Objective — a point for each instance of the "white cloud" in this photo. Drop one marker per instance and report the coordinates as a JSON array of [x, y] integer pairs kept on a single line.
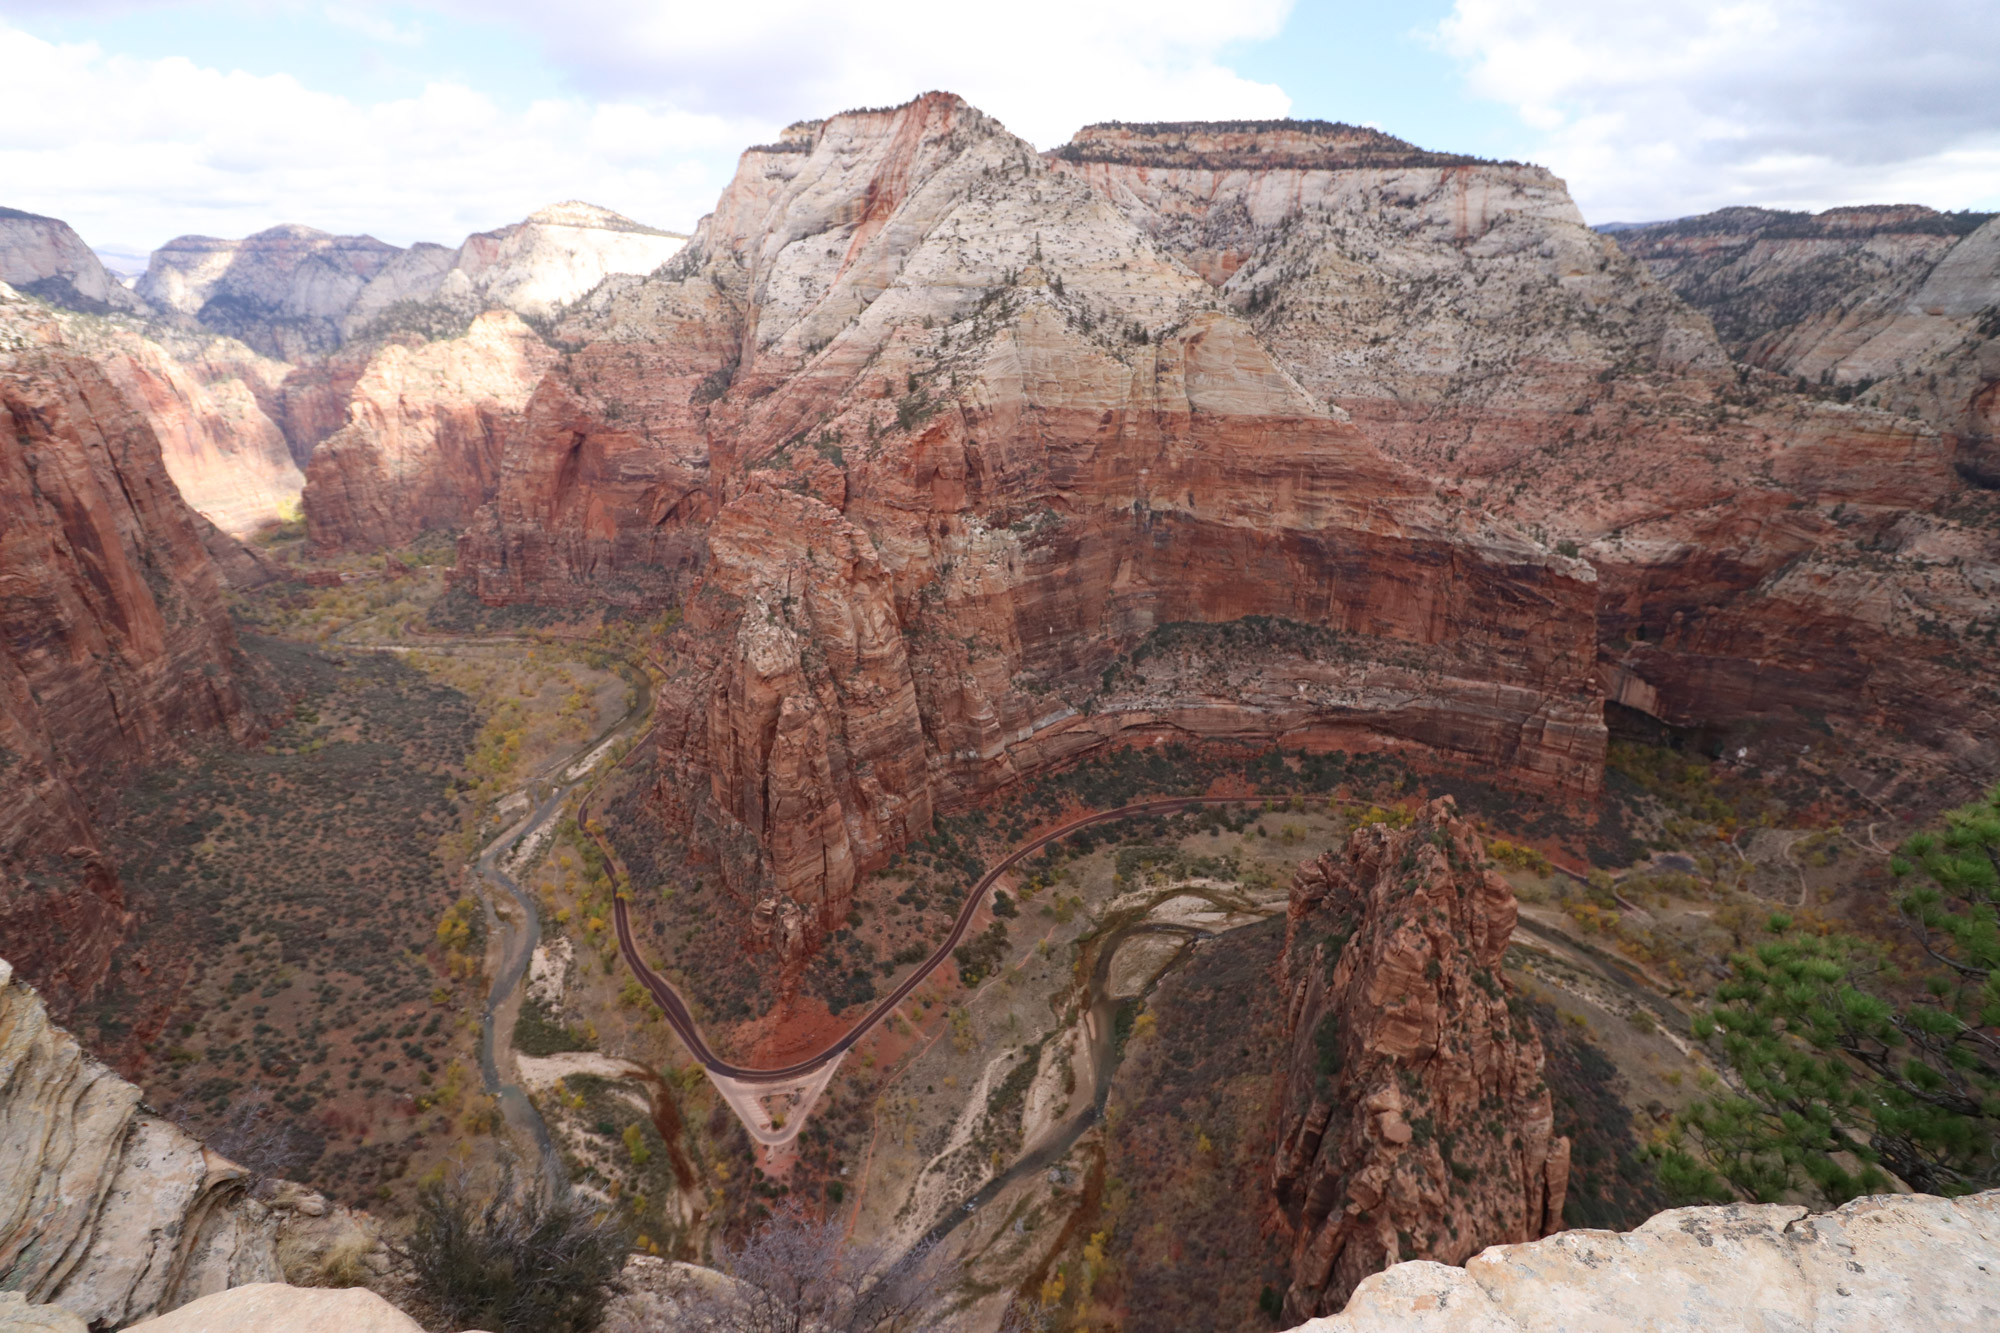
[[667, 93], [134, 151], [1044, 67], [1680, 106]]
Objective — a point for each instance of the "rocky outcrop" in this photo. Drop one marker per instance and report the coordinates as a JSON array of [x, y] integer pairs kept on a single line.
[[929, 439], [1892, 1262], [531, 267], [45, 258], [422, 445], [228, 459], [1899, 305], [292, 292], [1771, 563], [271, 1307], [1413, 1121], [115, 645], [113, 1213]]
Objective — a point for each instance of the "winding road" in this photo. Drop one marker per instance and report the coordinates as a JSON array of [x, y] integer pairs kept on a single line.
[[682, 1019]]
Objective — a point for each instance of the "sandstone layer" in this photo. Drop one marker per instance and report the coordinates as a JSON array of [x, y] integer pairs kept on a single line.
[[115, 645], [115, 1214], [273, 1307], [1900, 299], [283, 291], [295, 293], [44, 257], [422, 445], [1775, 567], [228, 458], [385, 348], [1413, 1120], [1874, 1265], [929, 438]]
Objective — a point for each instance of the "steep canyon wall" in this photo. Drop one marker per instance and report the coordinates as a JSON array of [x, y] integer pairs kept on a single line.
[[928, 438], [115, 646], [1775, 566]]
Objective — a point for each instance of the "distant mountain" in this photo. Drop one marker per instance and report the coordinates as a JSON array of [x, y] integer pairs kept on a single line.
[[44, 257], [291, 291]]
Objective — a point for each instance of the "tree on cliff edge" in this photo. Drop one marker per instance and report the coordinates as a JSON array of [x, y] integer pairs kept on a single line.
[[1846, 1068]]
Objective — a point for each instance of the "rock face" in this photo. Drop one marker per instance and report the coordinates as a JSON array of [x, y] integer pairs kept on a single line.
[[1899, 297], [113, 1213], [1891, 1262], [389, 351], [1413, 1122], [272, 1307], [422, 445], [292, 292], [114, 641], [1773, 567], [931, 440], [45, 258], [283, 291], [531, 267], [229, 460]]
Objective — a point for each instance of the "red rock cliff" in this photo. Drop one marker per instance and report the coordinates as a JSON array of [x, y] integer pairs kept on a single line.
[[1776, 568], [114, 643], [930, 440], [1413, 1122], [422, 445]]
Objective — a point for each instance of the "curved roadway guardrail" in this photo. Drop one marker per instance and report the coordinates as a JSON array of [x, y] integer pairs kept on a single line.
[[682, 1020]]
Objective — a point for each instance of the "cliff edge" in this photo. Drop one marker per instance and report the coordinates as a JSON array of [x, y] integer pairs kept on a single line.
[[115, 1214], [1888, 1262]]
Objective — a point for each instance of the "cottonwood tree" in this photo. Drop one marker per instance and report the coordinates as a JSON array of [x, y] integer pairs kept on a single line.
[[1848, 1067]]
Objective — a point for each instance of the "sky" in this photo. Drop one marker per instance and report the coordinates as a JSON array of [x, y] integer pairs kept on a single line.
[[139, 120]]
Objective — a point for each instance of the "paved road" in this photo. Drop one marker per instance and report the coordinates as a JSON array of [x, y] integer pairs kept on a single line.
[[682, 1019]]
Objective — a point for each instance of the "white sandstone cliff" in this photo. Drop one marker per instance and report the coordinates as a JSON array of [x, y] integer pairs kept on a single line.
[[115, 1214]]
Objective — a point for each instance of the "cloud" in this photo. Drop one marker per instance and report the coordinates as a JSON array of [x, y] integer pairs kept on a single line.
[[375, 27], [131, 151], [662, 96], [1680, 106], [1044, 67]]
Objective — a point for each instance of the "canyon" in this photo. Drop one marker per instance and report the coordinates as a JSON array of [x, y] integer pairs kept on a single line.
[[913, 384], [932, 479]]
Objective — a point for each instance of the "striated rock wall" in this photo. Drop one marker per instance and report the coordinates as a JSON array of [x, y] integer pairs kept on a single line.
[[1771, 563], [1413, 1122], [1890, 1262], [531, 267], [114, 1214], [928, 438], [422, 445], [114, 641], [1900, 299], [229, 460]]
